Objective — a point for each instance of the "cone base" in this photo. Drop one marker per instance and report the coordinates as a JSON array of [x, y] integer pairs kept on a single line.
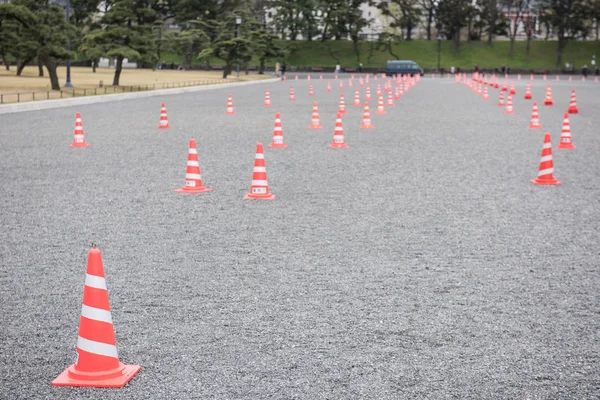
[[552, 181], [380, 112], [251, 196], [84, 144], [268, 105], [187, 189], [357, 105], [535, 126], [573, 111], [278, 146], [565, 146], [164, 127], [367, 126], [501, 105], [229, 113], [342, 111], [129, 371], [315, 126], [548, 103], [509, 112], [338, 145], [512, 92], [527, 97]]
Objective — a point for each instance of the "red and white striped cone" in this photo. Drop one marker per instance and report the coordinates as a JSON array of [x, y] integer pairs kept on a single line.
[[367, 79], [278, 142], [535, 117], [97, 362], [78, 134], [164, 121], [193, 179], [504, 88], [390, 100], [328, 86], [548, 100], [380, 108], [573, 104], [486, 96], [320, 77], [397, 92], [596, 80], [378, 90], [544, 76], [531, 77], [566, 141], [296, 77], [259, 188], [349, 82], [336, 77], [315, 122], [356, 98], [229, 109], [557, 78], [501, 100], [308, 77], [546, 169], [528, 92], [342, 108], [310, 90], [512, 90], [518, 77], [341, 84], [509, 106], [388, 86], [583, 79], [366, 120], [267, 98], [284, 78], [292, 94], [570, 78], [368, 93], [338, 134], [479, 90], [496, 84], [361, 83]]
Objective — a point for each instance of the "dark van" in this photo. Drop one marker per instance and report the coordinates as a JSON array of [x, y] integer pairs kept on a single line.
[[402, 67]]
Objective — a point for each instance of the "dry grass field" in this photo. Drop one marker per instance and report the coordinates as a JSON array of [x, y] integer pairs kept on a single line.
[[21, 88]]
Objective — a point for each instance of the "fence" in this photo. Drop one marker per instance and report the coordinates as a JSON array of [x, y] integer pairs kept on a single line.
[[64, 93]]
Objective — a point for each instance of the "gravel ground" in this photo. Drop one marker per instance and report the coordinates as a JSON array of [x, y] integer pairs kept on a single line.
[[419, 263]]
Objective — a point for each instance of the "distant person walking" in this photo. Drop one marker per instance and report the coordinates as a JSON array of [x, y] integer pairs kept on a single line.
[[337, 68], [283, 68]]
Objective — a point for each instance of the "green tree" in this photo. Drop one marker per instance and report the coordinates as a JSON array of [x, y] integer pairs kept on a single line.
[[264, 46], [13, 18], [191, 40], [405, 14], [451, 18]]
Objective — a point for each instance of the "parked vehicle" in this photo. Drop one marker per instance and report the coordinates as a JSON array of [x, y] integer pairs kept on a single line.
[[402, 67]]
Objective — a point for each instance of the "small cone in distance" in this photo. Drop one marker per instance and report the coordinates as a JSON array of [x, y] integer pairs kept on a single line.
[[267, 98], [378, 90], [229, 109], [397, 92], [366, 120], [341, 84], [164, 121], [342, 108], [315, 122], [328, 86], [566, 141], [356, 99], [546, 169], [548, 100], [390, 100], [573, 104], [509, 106], [259, 188], [535, 117], [528, 92], [380, 108], [78, 134], [97, 362], [292, 94], [193, 178], [278, 134], [486, 96], [338, 134], [501, 100], [512, 90], [368, 93], [310, 90]]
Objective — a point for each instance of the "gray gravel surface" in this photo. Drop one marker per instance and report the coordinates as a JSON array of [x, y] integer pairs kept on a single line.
[[419, 263]]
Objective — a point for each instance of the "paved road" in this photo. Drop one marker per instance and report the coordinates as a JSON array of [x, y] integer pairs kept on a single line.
[[419, 263]]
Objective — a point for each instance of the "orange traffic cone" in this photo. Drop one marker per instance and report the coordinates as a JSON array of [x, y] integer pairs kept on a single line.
[[548, 100], [566, 141], [267, 98], [341, 84], [535, 118], [356, 99], [378, 90], [193, 179], [573, 104], [546, 169], [349, 82], [486, 96], [78, 134], [315, 122], [501, 99], [292, 93], [278, 134], [368, 93], [329, 86], [528, 92], [310, 90], [164, 121], [366, 121], [338, 134], [509, 106], [259, 188], [390, 100], [97, 362], [380, 109], [512, 90], [308, 77], [296, 77], [342, 108], [361, 83], [504, 88], [229, 109]]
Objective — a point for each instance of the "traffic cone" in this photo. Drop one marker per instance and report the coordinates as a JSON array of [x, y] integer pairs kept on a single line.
[[397, 92], [557, 78], [544, 76], [509, 106], [296, 77], [501, 99], [259, 188], [548, 100], [310, 90], [390, 100], [356, 99], [528, 92], [512, 90], [573, 104], [97, 362], [486, 96], [229, 109], [328, 86], [78, 134], [349, 82], [546, 169], [338, 134], [342, 108], [504, 88], [308, 77], [368, 93], [535, 118], [479, 90], [570, 78], [164, 121], [378, 90], [361, 83], [315, 122], [193, 179], [278, 134], [380, 109], [366, 120], [566, 141], [267, 98], [341, 84], [320, 77], [292, 94]]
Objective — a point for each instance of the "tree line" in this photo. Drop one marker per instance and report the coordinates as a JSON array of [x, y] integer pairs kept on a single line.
[[39, 30]]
